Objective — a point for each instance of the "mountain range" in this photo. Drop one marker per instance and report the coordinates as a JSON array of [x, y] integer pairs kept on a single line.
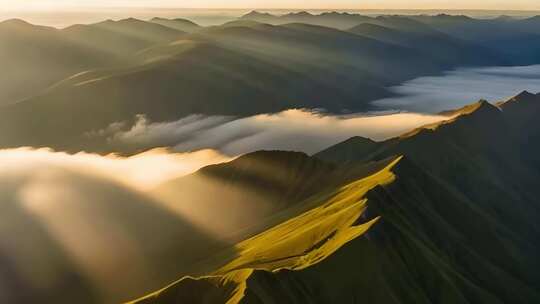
[[447, 213], [257, 64]]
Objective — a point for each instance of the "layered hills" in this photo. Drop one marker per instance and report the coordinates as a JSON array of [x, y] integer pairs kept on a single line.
[[36, 57], [168, 69], [449, 216]]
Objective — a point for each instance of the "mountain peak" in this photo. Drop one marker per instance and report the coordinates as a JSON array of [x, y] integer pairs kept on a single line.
[[521, 108], [479, 108], [16, 23], [299, 14], [523, 97], [524, 94], [254, 14]]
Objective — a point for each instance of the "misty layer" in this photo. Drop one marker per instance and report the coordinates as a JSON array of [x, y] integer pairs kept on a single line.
[[457, 88], [292, 130], [69, 234]]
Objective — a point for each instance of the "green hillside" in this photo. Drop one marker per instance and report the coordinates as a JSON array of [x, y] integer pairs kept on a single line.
[[452, 220], [232, 71], [254, 190], [294, 245], [108, 72]]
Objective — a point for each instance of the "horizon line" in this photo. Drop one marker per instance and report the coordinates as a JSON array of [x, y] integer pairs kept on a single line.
[[275, 9]]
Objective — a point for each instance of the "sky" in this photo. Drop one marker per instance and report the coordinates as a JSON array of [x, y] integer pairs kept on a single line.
[[273, 4]]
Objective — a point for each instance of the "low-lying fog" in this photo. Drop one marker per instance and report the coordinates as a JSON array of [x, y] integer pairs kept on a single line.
[[460, 87], [296, 130]]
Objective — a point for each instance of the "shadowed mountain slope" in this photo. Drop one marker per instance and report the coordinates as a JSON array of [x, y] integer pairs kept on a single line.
[[218, 71], [455, 220], [100, 74], [517, 39], [442, 47]]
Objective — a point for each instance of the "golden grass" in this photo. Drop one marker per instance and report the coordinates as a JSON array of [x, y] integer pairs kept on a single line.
[[301, 241]]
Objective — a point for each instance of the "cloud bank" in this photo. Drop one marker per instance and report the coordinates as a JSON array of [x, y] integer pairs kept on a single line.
[[141, 171], [461, 87], [73, 226], [296, 130]]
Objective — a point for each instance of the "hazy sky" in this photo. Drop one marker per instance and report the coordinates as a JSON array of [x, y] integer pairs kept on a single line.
[[313, 4]]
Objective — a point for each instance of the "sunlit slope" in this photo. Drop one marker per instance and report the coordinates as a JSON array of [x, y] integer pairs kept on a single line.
[[457, 222], [223, 71], [241, 68], [120, 39], [297, 244], [36, 57], [255, 191], [481, 161]]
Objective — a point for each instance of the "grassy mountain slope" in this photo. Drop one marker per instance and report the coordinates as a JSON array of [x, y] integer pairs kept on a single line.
[[222, 71], [293, 245], [253, 187], [480, 145], [453, 221], [240, 68]]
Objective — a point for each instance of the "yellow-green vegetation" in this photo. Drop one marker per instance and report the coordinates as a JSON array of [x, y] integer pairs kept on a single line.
[[295, 244]]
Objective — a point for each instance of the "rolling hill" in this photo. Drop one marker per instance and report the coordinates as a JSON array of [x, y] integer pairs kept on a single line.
[[121, 38], [35, 57], [108, 72], [239, 69], [451, 218]]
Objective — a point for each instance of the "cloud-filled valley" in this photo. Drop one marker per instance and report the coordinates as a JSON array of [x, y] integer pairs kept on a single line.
[[462, 86], [292, 130]]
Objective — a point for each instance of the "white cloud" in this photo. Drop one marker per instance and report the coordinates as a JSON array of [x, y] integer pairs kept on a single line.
[[142, 171], [297, 130], [461, 87]]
